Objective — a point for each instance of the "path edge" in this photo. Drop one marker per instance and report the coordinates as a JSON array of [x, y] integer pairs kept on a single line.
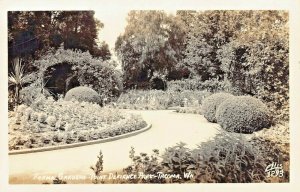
[[73, 145]]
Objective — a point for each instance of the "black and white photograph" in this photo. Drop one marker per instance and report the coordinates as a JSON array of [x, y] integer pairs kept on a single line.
[[136, 95]]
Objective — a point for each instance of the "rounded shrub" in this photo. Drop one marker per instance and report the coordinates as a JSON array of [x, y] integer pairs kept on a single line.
[[83, 94], [243, 114], [211, 103]]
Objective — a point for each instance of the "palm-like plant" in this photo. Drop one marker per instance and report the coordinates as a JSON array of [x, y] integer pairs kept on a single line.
[[17, 78]]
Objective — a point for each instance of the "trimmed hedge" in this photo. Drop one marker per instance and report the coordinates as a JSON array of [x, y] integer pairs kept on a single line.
[[243, 114], [211, 103], [83, 94]]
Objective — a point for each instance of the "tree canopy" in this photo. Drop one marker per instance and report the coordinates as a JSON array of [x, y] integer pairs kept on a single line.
[[247, 49], [32, 33], [151, 44]]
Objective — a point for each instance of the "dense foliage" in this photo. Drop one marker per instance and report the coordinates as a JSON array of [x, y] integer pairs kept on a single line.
[[101, 75], [274, 143], [243, 51], [228, 158], [32, 33], [257, 60], [243, 114], [210, 105], [16, 80], [248, 48], [152, 43], [81, 94], [32, 92], [157, 99], [212, 85]]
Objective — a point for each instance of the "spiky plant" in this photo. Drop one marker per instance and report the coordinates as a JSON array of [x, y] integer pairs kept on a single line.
[[17, 78]]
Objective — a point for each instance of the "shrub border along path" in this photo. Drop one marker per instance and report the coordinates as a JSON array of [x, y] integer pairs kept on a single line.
[[42, 149]]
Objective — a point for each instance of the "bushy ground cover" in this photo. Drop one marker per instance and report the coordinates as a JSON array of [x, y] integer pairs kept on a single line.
[[275, 146], [49, 123], [157, 99], [227, 158]]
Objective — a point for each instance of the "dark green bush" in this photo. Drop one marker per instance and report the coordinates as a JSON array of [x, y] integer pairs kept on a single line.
[[243, 114], [83, 94], [211, 103], [228, 158]]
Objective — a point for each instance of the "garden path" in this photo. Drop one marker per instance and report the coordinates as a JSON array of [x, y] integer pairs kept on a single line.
[[168, 128]]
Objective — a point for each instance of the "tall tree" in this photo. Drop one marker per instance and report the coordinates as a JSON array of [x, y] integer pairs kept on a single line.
[[256, 61], [208, 31], [32, 33], [151, 44]]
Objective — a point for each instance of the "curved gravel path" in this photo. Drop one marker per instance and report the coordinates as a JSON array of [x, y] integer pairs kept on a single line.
[[168, 128]]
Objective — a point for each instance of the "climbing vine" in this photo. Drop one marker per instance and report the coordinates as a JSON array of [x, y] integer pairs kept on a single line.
[[100, 75]]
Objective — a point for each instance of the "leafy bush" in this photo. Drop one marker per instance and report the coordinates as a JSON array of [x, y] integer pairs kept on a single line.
[[280, 115], [157, 99], [85, 94], [146, 164], [227, 158], [259, 64], [211, 103], [184, 84], [33, 92], [101, 75], [215, 85], [243, 114], [275, 145], [196, 84]]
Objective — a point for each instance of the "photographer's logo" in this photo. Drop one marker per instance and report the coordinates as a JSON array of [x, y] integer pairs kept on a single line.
[[274, 170]]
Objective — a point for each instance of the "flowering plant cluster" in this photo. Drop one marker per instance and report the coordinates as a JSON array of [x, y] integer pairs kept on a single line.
[[50, 122]]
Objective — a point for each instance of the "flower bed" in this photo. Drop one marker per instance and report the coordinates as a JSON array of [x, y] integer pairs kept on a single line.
[[158, 100], [52, 123]]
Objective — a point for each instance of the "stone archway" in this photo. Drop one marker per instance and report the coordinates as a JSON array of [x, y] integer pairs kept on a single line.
[[60, 78]]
